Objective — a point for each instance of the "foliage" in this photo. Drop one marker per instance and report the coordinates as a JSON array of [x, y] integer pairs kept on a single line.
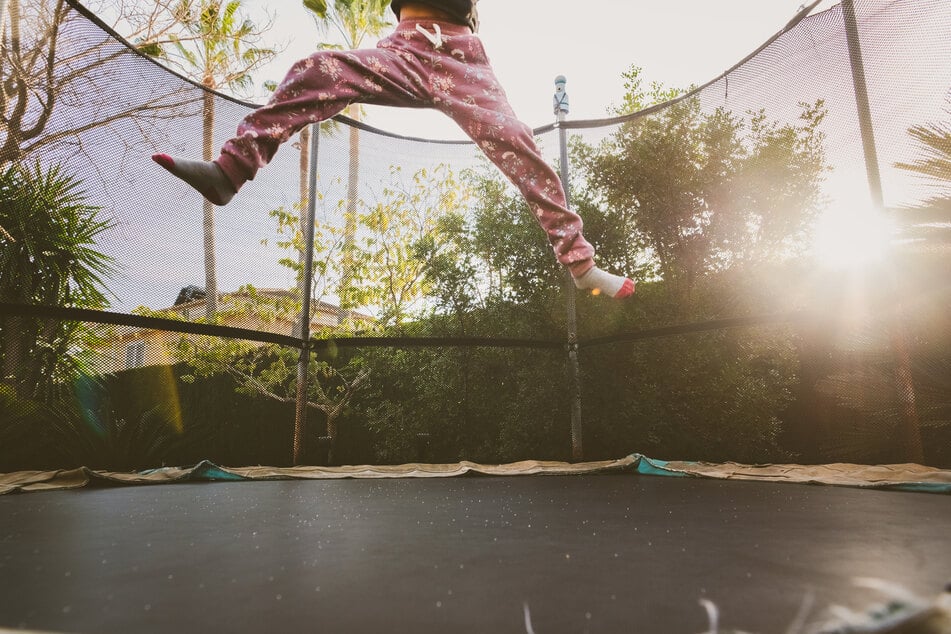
[[48, 259], [143, 418], [700, 192], [214, 43], [270, 371], [934, 164], [22, 445], [81, 428], [404, 229], [706, 396], [410, 227], [479, 404], [635, 98], [495, 274], [353, 20], [407, 229], [930, 219], [698, 204], [100, 440], [516, 259]]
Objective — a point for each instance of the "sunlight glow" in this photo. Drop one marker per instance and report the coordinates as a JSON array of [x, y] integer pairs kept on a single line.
[[851, 238]]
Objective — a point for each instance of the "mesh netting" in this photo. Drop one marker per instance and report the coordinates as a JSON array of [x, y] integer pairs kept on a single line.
[[439, 322]]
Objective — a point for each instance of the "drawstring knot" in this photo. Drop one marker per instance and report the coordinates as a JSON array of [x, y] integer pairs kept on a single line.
[[434, 38]]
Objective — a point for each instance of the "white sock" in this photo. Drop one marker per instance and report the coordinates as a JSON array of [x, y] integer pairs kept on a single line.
[[598, 281]]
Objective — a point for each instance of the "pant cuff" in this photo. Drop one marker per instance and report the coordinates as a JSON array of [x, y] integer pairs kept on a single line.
[[234, 170]]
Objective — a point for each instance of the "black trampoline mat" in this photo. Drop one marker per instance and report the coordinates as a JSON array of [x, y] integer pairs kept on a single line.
[[606, 553]]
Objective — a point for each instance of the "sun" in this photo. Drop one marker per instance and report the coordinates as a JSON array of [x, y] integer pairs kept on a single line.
[[851, 238]]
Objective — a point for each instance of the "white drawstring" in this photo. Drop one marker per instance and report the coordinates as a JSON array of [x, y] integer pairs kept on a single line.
[[435, 39]]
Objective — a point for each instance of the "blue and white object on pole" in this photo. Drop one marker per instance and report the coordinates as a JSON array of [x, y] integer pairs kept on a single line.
[[560, 100]]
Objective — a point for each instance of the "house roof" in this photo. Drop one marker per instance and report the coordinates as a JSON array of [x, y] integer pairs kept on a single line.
[[277, 293]]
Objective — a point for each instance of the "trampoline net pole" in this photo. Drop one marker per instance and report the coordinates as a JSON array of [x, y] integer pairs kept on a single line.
[[911, 436], [571, 322]]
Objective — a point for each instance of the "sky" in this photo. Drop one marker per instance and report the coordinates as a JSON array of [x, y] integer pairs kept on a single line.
[[678, 43]]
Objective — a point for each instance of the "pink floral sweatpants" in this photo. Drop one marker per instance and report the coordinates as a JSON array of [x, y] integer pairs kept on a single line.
[[415, 69]]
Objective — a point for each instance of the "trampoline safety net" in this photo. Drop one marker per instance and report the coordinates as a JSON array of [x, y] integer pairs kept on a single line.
[[788, 224]]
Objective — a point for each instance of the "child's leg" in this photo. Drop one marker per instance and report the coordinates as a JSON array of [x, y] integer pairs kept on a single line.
[[315, 89], [482, 110]]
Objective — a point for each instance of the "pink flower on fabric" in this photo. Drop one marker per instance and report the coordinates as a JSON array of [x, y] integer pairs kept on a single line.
[[442, 83], [331, 67], [372, 85], [376, 65]]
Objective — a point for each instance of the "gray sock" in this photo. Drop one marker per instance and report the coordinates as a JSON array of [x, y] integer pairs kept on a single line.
[[204, 176]]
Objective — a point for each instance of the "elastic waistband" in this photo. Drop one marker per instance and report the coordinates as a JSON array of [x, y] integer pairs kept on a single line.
[[449, 28]]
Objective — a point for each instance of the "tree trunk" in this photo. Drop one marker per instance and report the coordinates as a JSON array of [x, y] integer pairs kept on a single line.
[[350, 226], [211, 277], [10, 150], [304, 166]]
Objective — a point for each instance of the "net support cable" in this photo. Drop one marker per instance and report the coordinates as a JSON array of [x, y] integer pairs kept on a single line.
[[903, 372], [318, 345]]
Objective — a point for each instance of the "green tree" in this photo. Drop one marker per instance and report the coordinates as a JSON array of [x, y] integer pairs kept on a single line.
[[408, 229], [219, 48], [352, 22], [514, 256], [48, 259], [481, 404], [700, 192], [270, 372], [636, 98]]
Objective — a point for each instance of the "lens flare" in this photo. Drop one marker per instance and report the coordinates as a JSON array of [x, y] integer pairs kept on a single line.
[[852, 239]]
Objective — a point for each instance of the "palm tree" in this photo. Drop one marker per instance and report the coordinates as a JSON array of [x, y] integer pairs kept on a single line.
[[353, 21], [48, 258], [930, 218], [217, 48]]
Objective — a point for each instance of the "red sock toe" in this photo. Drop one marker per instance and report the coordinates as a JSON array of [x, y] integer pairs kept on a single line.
[[164, 160], [627, 289]]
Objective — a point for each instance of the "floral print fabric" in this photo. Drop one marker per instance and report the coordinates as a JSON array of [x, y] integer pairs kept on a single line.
[[417, 66]]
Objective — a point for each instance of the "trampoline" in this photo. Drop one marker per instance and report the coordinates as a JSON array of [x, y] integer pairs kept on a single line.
[[591, 553], [805, 411]]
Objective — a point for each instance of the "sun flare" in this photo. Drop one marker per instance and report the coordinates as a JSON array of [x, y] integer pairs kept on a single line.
[[851, 238]]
